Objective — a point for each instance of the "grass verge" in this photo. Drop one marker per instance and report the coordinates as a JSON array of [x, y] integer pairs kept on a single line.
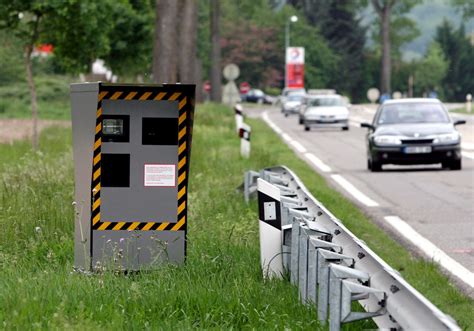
[[462, 111], [220, 287]]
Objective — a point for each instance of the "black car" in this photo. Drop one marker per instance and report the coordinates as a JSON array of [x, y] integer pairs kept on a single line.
[[258, 96], [413, 131]]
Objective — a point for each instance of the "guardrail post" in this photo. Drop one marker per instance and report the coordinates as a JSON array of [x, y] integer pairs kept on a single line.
[[314, 244], [250, 184], [295, 233], [343, 292], [326, 257], [310, 228], [286, 245]]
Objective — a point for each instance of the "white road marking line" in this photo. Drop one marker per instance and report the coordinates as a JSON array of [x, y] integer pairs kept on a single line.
[[286, 137], [271, 124], [317, 162], [354, 191], [468, 155], [433, 252], [300, 148]]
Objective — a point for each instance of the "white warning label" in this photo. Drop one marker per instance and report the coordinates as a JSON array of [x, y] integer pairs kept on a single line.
[[163, 175]]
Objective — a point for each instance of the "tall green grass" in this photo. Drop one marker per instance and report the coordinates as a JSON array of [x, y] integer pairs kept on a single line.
[[220, 287], [52, 94]]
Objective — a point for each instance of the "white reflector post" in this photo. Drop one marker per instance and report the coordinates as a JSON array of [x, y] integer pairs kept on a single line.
[[270, 229], [244, 134], [239, 117]]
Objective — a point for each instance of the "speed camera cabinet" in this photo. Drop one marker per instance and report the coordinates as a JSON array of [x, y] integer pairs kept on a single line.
[[132, 146]]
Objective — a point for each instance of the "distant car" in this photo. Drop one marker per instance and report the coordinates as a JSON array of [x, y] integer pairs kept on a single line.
[[258, 96], [326, 111], [292, 104], [413, 131], [289, 90]]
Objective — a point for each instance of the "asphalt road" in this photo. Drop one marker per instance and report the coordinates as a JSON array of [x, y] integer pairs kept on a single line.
[[437, 204]]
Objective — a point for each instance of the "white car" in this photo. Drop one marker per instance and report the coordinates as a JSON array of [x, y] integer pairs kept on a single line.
[[326, 111], [287, 91], [292, 104]]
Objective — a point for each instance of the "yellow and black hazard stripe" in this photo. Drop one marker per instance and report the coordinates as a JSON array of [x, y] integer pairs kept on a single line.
[[185, 99]]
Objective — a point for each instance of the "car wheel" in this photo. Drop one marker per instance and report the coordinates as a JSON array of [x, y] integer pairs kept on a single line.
[[300, 121], [454, 165], [375, 166], [369, 165], [345, 128], [306, 128], [286, 114]]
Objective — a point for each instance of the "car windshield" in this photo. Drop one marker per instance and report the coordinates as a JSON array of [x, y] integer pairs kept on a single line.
[[329, 102], [295, 97], [413, 113]]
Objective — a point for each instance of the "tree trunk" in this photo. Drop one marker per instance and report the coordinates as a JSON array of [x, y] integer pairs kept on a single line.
[[34, 103], [216, 82], [188, 40], [165, 47], [386, 62]]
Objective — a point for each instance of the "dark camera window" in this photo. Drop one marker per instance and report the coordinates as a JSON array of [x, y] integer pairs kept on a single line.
[[159, 131], [115, 170], [116, 128]]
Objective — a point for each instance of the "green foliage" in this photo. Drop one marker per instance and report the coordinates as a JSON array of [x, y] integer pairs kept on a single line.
[[431, 70], [465, 6], [346, 38], [11, 68], [80, 31], [131, 39], [84, 30], [459, 52]]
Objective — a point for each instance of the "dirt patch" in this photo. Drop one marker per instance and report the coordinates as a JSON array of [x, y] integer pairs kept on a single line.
[[18, 129]]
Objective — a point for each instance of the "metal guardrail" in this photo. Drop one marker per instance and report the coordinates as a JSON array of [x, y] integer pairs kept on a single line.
[[332, 267]]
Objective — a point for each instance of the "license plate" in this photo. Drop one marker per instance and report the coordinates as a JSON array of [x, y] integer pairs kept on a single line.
[[417, 149], [327, 119]]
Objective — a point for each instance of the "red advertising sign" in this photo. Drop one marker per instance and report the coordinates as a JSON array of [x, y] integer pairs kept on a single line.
[[295, 78], [244, 87]]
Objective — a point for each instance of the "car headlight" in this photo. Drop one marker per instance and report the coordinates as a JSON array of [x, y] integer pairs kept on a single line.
[[447, 138], [387, 140]]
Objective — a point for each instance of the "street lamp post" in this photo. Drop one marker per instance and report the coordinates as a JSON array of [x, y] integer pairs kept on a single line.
[[291, 19]]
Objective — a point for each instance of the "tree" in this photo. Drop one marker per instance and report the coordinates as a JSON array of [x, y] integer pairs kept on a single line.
[[346, 38], [215, 56], [386, 9], [188, 41], [259, 62], [131, 39], [165, 51], [68, 24], [465, 6], [458, 51], [431, 70]]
